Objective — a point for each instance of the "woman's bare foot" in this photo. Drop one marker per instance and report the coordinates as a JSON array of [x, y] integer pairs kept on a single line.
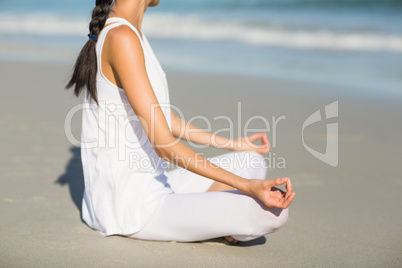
[[231, 240]]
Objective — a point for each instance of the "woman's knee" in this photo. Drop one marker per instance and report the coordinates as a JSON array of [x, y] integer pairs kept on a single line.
[[264, 220], [279, 220], [252, 165], [248, 164]]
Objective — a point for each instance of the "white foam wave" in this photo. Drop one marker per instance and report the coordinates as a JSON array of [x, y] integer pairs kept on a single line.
[[170, 26], [193, 27], [42, 25]]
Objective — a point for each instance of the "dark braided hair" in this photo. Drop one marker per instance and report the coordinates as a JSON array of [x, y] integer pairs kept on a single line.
[[86, 67]]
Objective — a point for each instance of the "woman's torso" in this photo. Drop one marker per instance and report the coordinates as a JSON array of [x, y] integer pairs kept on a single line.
[[125, 179]]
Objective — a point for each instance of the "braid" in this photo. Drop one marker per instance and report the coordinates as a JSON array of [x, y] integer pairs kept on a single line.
[[85, 68], [99, 16]]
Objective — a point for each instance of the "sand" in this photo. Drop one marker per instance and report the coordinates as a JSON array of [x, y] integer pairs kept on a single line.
[[344, 216]]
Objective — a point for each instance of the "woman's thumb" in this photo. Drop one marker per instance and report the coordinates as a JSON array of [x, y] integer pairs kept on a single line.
[[279, 181]]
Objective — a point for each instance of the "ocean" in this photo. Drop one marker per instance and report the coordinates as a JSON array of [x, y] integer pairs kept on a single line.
[[356, 44]]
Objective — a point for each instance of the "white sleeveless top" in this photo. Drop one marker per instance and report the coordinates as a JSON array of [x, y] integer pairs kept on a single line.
[[125, 180]]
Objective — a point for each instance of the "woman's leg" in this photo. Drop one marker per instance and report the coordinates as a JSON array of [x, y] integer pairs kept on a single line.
[[201, 216], [192, 214]]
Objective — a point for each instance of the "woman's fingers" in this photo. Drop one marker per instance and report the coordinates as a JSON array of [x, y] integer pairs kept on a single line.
[[288, 201], [289, 186], [277, 189], [270, 195], [264, 140], [278, 181], [262, 136], [278, 197], [255, 137], [263, 150], [283, 203], [289, 189]]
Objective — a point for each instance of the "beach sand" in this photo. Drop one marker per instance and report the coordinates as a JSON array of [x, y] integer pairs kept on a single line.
[[344, 216]]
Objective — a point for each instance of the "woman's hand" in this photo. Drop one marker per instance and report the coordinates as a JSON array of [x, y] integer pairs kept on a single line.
[[267, 193], [246, 143]]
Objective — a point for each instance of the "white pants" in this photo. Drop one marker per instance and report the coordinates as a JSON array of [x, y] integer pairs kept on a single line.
[[192, 214]]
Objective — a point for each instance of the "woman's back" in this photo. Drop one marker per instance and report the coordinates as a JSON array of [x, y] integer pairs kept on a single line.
[[119, 162]]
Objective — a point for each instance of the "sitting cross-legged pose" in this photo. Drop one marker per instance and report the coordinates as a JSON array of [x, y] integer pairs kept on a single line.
[[130, 134]]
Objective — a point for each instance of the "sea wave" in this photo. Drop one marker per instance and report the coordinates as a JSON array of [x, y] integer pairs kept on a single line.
[[174, 26], [287, 3], [42, 24]]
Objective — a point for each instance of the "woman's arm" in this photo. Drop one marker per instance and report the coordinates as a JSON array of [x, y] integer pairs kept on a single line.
[[124, 54], [184, 130]]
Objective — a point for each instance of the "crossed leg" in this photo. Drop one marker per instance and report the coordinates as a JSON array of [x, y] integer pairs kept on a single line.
[[192, 213]]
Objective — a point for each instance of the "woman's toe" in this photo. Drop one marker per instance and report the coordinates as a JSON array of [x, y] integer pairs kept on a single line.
[[231, 240]]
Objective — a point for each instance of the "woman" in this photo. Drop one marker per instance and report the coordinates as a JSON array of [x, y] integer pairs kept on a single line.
[[129, 133]]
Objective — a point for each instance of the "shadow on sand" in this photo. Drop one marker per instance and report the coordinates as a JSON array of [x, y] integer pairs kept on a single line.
[[74, 177]]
